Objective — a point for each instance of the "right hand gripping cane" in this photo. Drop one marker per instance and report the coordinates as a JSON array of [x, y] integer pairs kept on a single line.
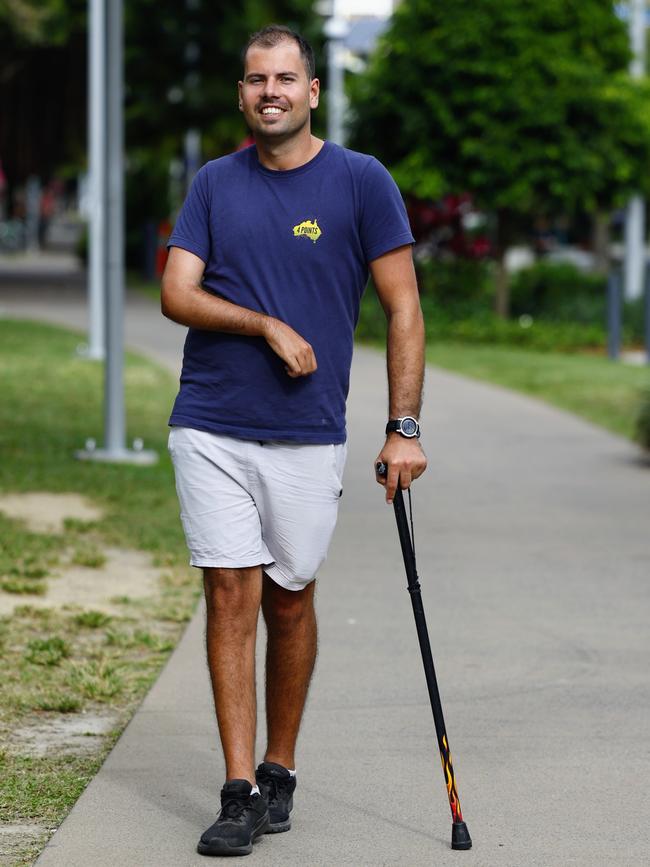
[[460, 838]]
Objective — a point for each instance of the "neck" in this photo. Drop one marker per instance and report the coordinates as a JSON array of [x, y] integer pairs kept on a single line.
[[284, 155]]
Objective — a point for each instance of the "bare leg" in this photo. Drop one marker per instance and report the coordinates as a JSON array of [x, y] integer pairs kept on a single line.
[[233, 599], [290, 656]]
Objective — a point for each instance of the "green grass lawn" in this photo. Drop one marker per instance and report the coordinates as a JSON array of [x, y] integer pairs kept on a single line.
[[604, 392], [69, 661], [52, 401]]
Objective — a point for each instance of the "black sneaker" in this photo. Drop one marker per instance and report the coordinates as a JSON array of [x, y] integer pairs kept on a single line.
[[277, 786], [243, 818]]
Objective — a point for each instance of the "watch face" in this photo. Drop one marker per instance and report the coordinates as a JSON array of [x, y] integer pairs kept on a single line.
[[409, 427]]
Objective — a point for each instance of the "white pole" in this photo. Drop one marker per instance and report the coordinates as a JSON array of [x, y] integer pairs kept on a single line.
[[635, 214], [114, 450], [114, 418], [97, 177], [637, 37], [32, 212], [192, 144], [336, 29]]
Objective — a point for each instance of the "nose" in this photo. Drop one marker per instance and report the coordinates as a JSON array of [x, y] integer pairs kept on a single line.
[[271, 90]]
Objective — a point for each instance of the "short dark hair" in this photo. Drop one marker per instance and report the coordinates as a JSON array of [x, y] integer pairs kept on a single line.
[[273, 35]]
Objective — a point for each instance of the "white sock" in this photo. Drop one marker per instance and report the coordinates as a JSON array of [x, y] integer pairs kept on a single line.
[[255, 790]]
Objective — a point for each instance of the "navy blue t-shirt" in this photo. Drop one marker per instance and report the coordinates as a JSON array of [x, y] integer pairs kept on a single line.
[[295, 245]]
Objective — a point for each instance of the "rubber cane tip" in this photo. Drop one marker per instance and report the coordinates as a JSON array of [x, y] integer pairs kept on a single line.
[[460, 838]]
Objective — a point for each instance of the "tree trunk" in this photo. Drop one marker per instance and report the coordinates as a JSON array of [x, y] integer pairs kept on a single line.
[[600, 241], [502, 286], [502, 278]]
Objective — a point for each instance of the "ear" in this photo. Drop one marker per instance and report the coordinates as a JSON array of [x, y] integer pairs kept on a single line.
[[314, 93], [240, 84]]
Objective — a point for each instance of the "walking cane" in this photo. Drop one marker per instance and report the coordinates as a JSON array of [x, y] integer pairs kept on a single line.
[[460, 838]]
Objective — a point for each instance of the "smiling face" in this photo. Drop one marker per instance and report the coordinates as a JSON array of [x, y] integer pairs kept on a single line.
[[277, 95]]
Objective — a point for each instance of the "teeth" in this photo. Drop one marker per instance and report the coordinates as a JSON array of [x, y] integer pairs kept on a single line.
[[271, 110]]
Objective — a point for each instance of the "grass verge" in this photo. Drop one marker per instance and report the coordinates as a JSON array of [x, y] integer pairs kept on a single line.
[[603, 392], [68, 664]]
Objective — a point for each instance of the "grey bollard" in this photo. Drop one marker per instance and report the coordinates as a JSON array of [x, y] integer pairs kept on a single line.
[[614, 315], [647, 313]]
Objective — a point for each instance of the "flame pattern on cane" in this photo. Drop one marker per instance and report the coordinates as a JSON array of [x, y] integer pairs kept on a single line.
[[448, 770]]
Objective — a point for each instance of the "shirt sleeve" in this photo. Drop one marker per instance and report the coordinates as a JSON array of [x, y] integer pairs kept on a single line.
[[384, 225], [192, 229]]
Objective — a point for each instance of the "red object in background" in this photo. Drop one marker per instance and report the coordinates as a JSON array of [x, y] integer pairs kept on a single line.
[[480, 247], [164, 231], [439, 225]]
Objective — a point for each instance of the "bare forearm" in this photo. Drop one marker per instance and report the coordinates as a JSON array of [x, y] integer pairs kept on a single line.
[[188, 304], [193, 306], [394, 277], [405, 361]]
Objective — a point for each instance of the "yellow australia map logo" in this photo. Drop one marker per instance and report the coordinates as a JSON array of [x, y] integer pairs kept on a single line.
[[308, 229]]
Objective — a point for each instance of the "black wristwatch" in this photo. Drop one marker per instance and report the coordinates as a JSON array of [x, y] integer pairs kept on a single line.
[[407, 426]]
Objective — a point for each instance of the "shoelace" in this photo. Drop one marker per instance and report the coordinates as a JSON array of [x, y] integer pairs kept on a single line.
[[270, 784], [234, 808]]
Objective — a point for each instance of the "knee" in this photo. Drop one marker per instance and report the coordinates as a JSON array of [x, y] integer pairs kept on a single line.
[[288, 609], [231, 591]]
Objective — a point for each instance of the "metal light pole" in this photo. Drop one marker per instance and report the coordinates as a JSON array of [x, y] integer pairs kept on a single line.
[[114, 450], [192, 86], [97, 178], [114, 421], [336, 29], [635, 214]]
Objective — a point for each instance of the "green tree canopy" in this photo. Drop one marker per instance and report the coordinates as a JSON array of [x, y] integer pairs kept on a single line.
[[181, 68], [42, 85], [528, 105], [182, 63]]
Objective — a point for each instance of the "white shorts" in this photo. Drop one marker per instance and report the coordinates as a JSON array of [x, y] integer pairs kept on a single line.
[[246, 503]]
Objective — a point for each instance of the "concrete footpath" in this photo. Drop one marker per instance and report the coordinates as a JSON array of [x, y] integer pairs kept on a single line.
[[533, 541]]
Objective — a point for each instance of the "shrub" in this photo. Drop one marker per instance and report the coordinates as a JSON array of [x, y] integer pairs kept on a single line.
[[484, 327], [372, 320], [558, 290], [526, 333], [634, 314], [555, 306], [460, 287]]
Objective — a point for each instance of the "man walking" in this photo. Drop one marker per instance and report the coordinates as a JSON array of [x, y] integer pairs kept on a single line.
[[268, 261]]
